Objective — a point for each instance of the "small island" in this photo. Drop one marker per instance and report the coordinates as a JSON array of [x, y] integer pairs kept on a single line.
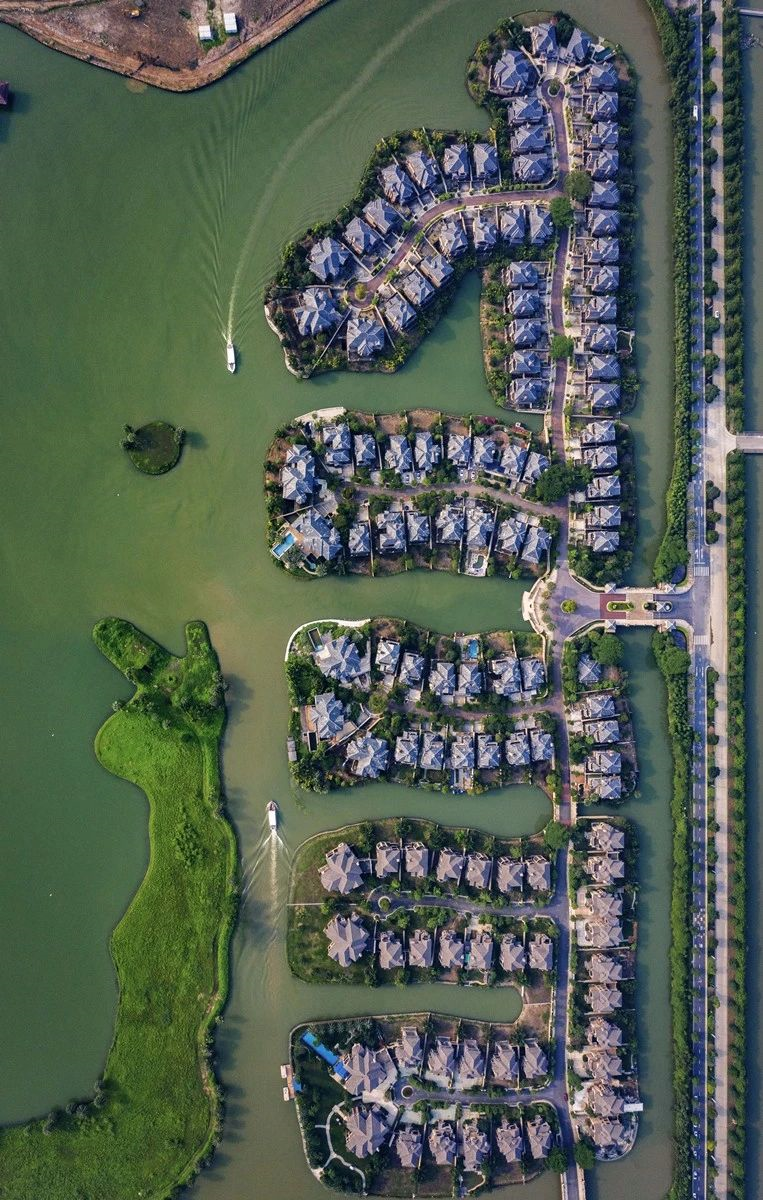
[[154, 448]]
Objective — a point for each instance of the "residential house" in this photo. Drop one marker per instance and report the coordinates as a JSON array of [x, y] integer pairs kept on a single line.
[[422, 169], [511, 537], [484, 232], [348, 939], [426, 451], [450, 524], [359, 540], [412, 666], [338, 658], [537, 545], [432, 751], [533, 675], [510, 873], [471, 1064], [397, 187], [538, 873], [326, 715], [337, 444], [479, 868], [387, 656], [450, 236], [485, 158], [416, 860], [328, 259], [513, 224], [316, 312], [511, 954], [608, 839], [540, 952], [408, 1146], [437, 269], [531, 168], [365, 337], [398, 456], [390, 950], [517, 749], [418, 289], [459, 449], [471, 681], [603, 487], [534, 1061], [420, 949], [541, 225], [360, 237], [504, 1064], [318, 538], [450, 866], [475, 1146], [407, 748], [455, 162], [342, 871], [409, 1051], [417, 525], [364, 1070], [543, 41], [442, 678], [387, 859], [513, 74], [578, 47], [390, 531], [367, 1129], [442, 1143], [298, 476], [488, 752], [480, 957], [381, 215], [539, 1137], [398, 312], [508, 1139], [604, 968], [365, 450], [601, 998], [441, 1059], [462, 752], [367, 756]]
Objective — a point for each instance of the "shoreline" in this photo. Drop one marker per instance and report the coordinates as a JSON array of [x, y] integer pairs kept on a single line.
[[132, 66]]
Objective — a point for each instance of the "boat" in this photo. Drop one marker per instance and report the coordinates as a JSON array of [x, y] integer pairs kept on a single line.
[[272, 811], [230, 353]]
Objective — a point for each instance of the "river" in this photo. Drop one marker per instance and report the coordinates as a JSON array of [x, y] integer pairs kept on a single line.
[[133, 221]]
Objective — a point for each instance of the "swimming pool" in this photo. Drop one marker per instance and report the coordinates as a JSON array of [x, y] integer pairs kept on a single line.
[[473, 649], [283, 546]]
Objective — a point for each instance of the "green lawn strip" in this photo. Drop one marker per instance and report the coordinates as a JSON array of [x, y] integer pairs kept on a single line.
[[157, 1112]]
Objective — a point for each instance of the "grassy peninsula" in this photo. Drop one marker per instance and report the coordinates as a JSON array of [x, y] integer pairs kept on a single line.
[[156, 1112]]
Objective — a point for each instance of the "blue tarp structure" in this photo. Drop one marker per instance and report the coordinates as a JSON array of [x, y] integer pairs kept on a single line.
[[323, 1052]]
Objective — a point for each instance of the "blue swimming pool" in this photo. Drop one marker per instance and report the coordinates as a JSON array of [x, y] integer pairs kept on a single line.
[[283, 546], [473, 649]]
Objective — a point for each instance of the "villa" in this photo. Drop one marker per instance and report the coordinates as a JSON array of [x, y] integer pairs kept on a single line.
[[348, 939]]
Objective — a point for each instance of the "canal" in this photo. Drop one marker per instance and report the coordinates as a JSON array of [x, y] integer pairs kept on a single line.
[[135, 222]]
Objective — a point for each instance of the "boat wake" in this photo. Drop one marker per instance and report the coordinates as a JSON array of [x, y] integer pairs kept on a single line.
[[359, 86]]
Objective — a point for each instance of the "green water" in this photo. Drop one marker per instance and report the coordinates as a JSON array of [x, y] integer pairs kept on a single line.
[[127, 217], [753, 83]]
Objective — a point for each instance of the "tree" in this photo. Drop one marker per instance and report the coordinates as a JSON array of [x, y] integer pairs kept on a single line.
[[561, 212], [556, 482], [609, 650], [562, 346], [578, 186], [556, 835], [569, 606], [584, 1156], [557, 1160]]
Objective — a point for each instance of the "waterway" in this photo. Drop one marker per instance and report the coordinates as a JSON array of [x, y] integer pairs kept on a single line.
[[753, 265], [129, 215]]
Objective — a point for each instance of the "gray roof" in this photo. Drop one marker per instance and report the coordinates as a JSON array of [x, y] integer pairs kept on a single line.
[[337, 442], [342, 871], [387, 859], [604, 195], [327, 714], [604, 396], [451, 952], [367, 756], [459, 449], [298, 475], [476, 1146], [507, 677], [462, 752], [364, 1070], [602, 541], [534, 1061], [328, 259], [524, 363], [398, 312], [601, 78], [470, 678], [390, 528], [316, 312], [480, 953], [418, 526], [408, 1145], [409, 1051], [485, 160], [604, 968], [441, 1059], [348, 939], [531, 168], [511, 535], [367, 1129], [533, 674], [527, 110], [512, 955], [602, 338], [488, 752], [513, 225], [450, 865], [602, 998], [603, 135], [423, 169], [407, 748], [522, 275], [412, 668], [535, 465], [517, 749], [420, 949], [604, 251], [390, 950], [601, 458], [484, 231], [541, 225], [543, 38], [365, 449], [605, 869], [426, 451], [365, 337], [526, 332], [538, 873], [602, 106], [604, 762], [397, 186], [436, 268], [529, 139], [603, 222], [450, 524], [478, 869], [504, 1064], [398, 456], [508, 1139], [416, 288], [432, 751], [359, 539], [602, 165], [450, 236], [381, 215], [442, 1143], [387, 655], [603, 732], [541, 745], [604, 1033], [578, 47], [597, 433], [605, 787], [538, 542], [514, 458], [589, 671], [603, 280], [319, 537], [338, 658], [360, 236], [510, 873], [540, 952], [598, 705], [416, 859], [455, 161], [539, 1137], [513, 74]]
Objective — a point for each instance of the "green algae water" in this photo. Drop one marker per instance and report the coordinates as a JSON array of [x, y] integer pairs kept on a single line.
[[137, 226]]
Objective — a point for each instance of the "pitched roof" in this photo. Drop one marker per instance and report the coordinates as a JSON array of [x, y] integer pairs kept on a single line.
[[338, 658], [485, 159], [364, 1070], [451, 953], [367, 1129], [319, 536], [360, 236], [328, 259], [422, 168], [367, 756], [298, 475], [455, 161], [381, 215], [327, 715], [390, 950], [396, 184], [348, 939], [534, 1061], [420, 948], [342, 871], [509, 873], [408, 1145], [513, 74], [416, 857], [316, 312], [512, 954], [365, 337], [387, 859], [450, 864]]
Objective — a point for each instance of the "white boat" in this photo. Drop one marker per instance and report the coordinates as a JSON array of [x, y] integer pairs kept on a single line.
[[272, 811], [230, 353]]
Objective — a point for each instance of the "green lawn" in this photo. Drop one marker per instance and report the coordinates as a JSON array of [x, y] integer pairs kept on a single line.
[[159, 1112]]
